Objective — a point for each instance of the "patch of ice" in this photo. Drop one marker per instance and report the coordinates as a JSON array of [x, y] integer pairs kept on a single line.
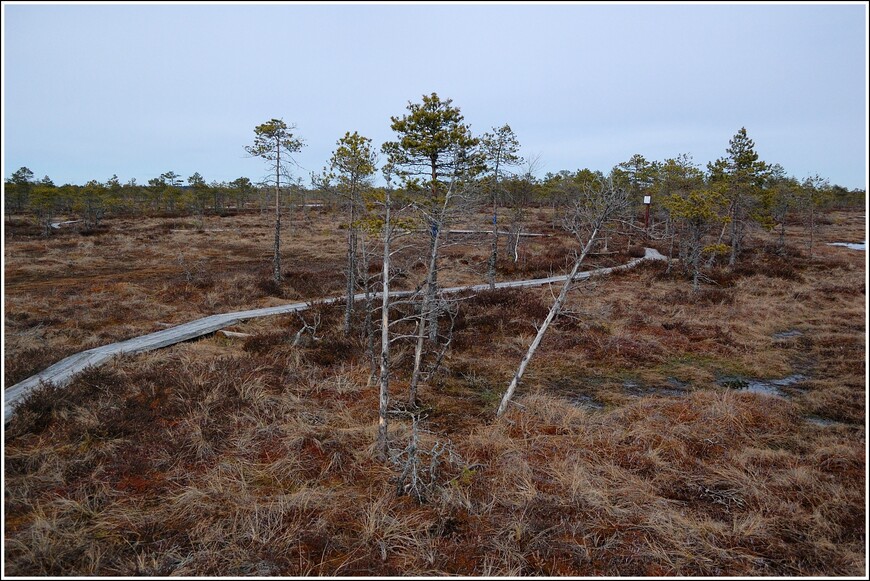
[[762, 386], [852, 245], [772, 386]]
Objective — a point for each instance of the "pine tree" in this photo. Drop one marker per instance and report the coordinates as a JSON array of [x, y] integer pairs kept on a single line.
[[271, 139]]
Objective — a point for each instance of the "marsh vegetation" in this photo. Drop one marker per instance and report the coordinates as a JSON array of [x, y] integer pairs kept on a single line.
[[234, 456]]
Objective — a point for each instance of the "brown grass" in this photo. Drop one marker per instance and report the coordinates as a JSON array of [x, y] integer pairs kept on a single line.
[[231, 457]]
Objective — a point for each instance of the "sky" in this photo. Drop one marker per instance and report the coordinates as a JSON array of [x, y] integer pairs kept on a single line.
[[136, 90]]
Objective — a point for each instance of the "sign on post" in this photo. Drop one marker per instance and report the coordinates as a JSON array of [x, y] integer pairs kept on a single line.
[[646, 202]]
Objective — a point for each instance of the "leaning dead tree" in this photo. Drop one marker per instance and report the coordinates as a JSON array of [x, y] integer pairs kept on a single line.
[[598, 204]]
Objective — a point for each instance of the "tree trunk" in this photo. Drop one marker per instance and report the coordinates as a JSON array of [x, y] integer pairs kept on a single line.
[[735, 233], [696, 259], [432, 275], [554, 311], [351, 266], [383, 399], [432, 289], [513, 245], [276, 261], [368, 327], [426, 314], [493, 256]]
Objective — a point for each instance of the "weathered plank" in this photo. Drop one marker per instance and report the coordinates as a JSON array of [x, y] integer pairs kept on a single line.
[[234, 334], [63, 371]]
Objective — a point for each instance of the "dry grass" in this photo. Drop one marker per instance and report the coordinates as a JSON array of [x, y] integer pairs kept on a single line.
[[236, 457]]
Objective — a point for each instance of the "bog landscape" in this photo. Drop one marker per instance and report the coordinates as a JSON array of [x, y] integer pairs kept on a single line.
[[676, 384]]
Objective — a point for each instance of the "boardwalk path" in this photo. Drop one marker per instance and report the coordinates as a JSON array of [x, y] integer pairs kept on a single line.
[[63, 371]]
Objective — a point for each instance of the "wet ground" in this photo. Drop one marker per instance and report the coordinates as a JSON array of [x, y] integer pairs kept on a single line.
[[763, 386], [575, 390]]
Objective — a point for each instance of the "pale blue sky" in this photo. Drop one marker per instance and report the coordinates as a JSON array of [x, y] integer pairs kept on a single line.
[[138, 90]]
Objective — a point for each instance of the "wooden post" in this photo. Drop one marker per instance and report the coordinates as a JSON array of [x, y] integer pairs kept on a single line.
[[646, 202]]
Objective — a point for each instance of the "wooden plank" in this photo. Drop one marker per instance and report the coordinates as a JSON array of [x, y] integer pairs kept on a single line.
[[62, 372], [234, 334]]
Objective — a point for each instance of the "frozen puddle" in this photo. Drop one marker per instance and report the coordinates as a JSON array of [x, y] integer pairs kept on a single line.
[[763, 386], [852, 245]]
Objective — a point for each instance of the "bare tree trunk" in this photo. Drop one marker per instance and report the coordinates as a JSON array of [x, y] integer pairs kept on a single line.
[[696, 260], [735, 233], [276, 262], [513, 246], [493, 256], [554, 311], [383, 400], [426, 311], [429, 310], [431, 291], [368, 327], [351, 266], [432, 275]]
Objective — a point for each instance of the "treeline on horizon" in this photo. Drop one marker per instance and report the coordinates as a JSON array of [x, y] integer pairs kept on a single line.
[[774, 193]]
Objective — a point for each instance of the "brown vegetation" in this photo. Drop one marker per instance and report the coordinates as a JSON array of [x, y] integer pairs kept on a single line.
[[631, 450]]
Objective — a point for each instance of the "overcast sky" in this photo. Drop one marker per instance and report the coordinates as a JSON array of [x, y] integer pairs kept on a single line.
[[138, 90]]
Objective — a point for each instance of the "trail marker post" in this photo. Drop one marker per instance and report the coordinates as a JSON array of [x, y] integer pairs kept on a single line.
[[646, 202]]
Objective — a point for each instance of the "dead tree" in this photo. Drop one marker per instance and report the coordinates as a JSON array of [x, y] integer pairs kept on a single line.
[[307, 327], [458, 191], [350, 168], [421, 464], [598, 204], [368, 282], [384, 383], [500, 149], [519, 191], [388, 233]]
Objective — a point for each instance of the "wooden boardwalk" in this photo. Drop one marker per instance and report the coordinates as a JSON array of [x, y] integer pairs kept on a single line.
[[63, 371]]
